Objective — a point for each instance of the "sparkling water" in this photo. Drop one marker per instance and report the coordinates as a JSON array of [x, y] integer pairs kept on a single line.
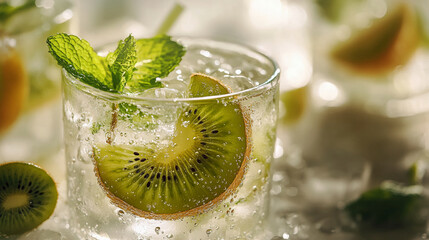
[[88, 115]]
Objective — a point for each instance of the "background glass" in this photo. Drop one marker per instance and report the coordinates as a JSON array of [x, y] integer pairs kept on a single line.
[[359, 128], [37, 133]]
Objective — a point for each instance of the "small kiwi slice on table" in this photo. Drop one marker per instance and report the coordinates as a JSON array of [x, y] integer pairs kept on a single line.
[[28, 197], [204, 164]]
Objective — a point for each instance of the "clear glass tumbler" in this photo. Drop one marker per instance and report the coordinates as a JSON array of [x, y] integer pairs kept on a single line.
[[172, 153]]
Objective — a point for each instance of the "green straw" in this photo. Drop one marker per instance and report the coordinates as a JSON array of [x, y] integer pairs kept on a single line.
[[171, 19]]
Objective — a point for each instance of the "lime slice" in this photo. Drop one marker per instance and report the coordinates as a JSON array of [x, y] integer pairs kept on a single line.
[[387, 44], [13, 85]]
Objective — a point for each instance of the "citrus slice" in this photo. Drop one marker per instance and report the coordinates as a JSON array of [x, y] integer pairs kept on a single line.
[[387, 44], [13, 86]]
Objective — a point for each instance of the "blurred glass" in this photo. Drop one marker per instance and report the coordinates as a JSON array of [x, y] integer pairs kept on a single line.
[[36, 132], [367, 111]]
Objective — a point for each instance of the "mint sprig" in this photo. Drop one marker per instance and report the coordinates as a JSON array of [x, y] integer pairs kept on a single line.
[[390, 205], [134, 66], [80, 60], [157, 57], [121, 63]]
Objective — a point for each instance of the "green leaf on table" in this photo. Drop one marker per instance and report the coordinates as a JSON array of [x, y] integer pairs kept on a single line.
[[389, 205], [7, 10], [156, 58], [121, 63], [80, 60]]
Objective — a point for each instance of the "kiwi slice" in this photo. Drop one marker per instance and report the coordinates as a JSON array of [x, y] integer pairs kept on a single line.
[[204, 164], [28, 196]]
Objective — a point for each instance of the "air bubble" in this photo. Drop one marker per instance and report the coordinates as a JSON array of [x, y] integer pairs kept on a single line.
[[170, 236], [120, 212], [185, 123], [209, 231], [157, 229]]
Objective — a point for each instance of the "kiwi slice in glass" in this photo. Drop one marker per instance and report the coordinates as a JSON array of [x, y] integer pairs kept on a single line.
[[28, 196], [204, 164]]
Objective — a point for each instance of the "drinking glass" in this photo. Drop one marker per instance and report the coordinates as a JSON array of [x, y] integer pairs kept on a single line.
[[31, 111], [372, 103], [367, 115], [96, 121]]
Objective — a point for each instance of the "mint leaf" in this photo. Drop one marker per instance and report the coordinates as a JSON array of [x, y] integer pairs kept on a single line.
[[156, 58], [389, 205], [7, 10], [139, 119], [95, 128], [121, 62], [134, 66], [80, 60]]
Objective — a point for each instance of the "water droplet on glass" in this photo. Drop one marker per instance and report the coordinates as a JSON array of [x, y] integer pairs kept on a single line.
[[208, 232], [170, 236]]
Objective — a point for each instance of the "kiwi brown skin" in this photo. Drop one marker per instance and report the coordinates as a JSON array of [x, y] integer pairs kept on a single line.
[[231, 188], [20, 178]]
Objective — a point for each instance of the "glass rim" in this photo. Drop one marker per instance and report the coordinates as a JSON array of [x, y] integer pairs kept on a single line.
[[272, 77]]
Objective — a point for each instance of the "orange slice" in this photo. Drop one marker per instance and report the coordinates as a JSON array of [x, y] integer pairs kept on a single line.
[[13, 87]]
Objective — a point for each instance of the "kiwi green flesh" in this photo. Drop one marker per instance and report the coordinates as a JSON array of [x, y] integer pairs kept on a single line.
[[28, 197], [204, 163]]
